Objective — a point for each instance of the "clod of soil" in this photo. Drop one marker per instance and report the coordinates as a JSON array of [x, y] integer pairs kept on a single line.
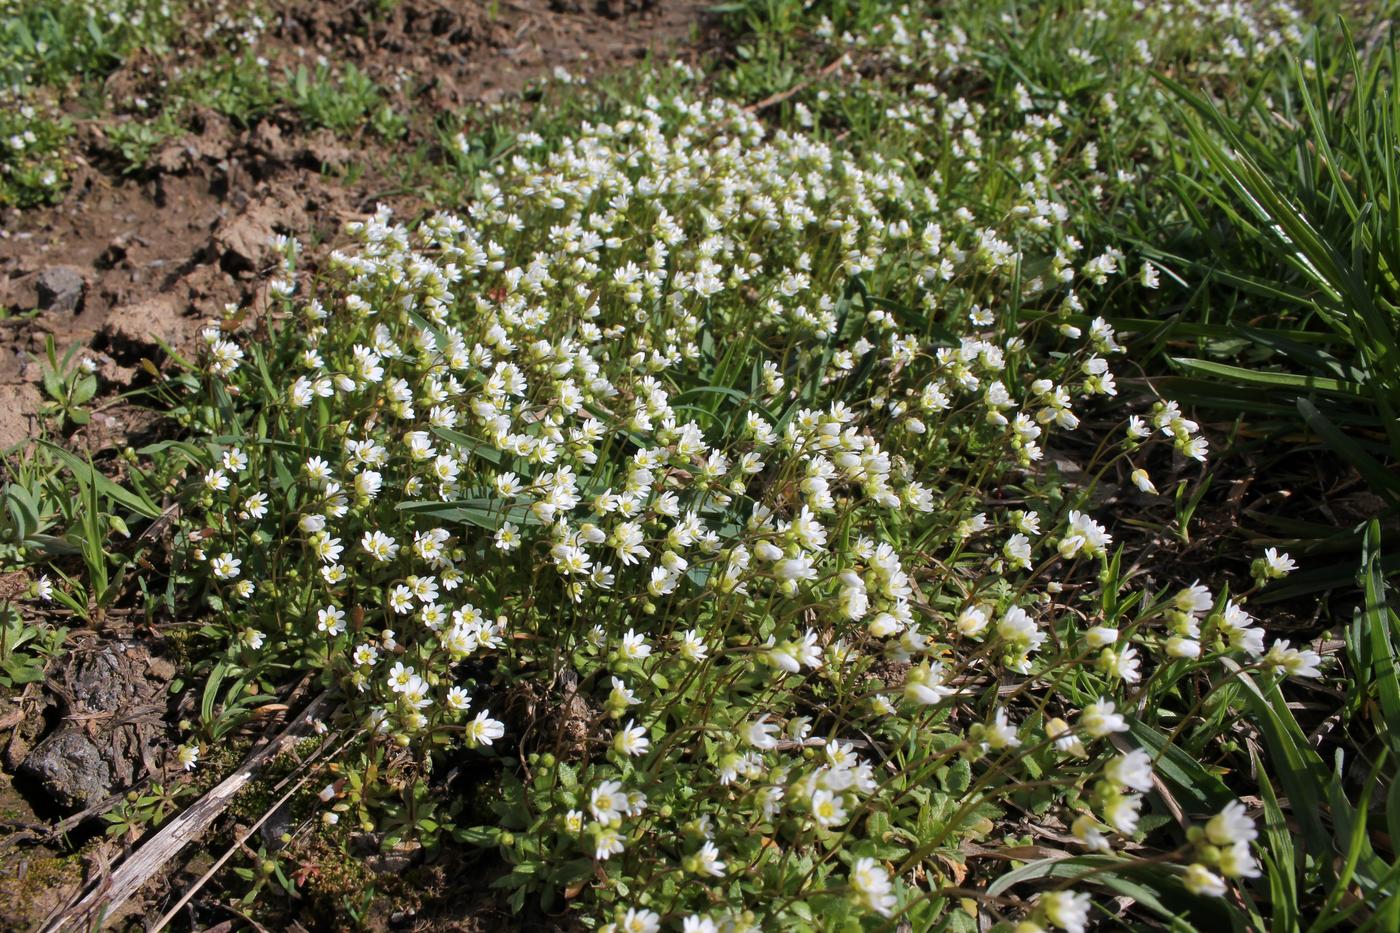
[[111, 703], [19, 407], [70, 766]]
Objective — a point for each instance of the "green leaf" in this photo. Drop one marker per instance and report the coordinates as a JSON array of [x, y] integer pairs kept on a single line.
[[471, 444], [1151, 885], [85, 471], [1293, 760], [484, 836], [1271, 380], [1382, 480], [1380, 620], [1189, 780]]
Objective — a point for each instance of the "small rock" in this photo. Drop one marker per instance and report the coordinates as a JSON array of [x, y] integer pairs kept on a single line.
[[70, 767], [111, 372], [160, 669], [395, 861], [322, 148], [277, 824], [61, 289], [15, 752], [101, 683], [175, 158]]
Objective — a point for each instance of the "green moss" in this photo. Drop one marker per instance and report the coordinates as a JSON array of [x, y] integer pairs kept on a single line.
[[31, 885]]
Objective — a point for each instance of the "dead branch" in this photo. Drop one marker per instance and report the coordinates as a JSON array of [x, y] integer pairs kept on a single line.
[[106, 895]]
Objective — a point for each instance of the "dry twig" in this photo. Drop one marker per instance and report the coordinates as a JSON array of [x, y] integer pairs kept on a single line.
[[107, 894]]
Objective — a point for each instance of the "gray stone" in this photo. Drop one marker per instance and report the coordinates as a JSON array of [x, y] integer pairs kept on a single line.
[[70, 767], [61, 289]]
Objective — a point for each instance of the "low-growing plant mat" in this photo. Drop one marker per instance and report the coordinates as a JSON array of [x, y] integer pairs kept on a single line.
[[742, 497]]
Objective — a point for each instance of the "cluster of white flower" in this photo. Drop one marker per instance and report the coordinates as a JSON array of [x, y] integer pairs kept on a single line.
[[647, 402]]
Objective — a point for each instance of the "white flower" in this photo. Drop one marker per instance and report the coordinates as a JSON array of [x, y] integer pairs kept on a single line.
[[379, 546], [708, 862], [1089, 831], [401, 599], [1122, 813], [621, 697], [235, 460], [1231, 825], [1201, 880], [607, 803], [483, 730], [330, 620], [1292, 662], [507, 537], [1065, 909], [634, 646], [1148, 277], [607, 841], [254, 507], [1099, 719], [1194, 599], [1278, 565], [1100, 635], [1179, 646], [1018, 550], [225, 566], [1237, 861], [692, 646], [1001, 733], [973, 620], [632, 739], [872, 883], [1132, 769], [188, 756], [760, 733], [827, 809], [640, 921]]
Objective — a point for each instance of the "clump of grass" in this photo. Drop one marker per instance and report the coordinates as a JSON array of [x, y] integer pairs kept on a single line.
[[52, 42], [341, 102], [1305, 204]]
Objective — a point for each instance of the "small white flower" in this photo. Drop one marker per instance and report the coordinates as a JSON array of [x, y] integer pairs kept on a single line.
[[226, 566], [483, 730]]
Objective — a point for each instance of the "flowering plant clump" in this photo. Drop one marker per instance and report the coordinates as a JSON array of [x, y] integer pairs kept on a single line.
[[33, 163], [750, 496]]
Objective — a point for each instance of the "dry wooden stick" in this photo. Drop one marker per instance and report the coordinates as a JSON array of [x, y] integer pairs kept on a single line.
[[106, 895], [797, 88], [244, 837]]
